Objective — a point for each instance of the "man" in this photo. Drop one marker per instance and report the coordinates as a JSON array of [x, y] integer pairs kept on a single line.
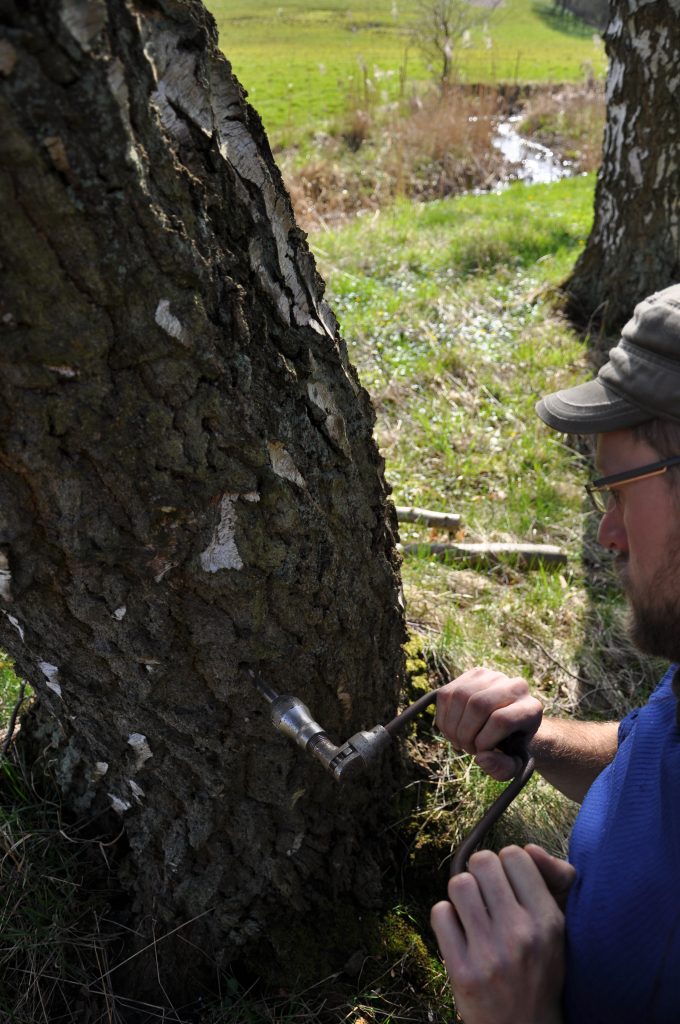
[[511, 955]]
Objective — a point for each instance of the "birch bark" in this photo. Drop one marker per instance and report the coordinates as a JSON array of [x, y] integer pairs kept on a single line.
[[634, 248]]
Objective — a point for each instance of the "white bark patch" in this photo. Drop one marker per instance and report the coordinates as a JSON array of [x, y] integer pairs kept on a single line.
[[643, 44], [180, 80], [221, 552], [297, 843], [8, 58], [327, 316], [57, 153], [615, 26], [140, 747], [164, 570], [615, 76], [66, 372], [115, 75], [270, 285], [213, 104], [635, 159], [136, 790], [100, 769], [282, 463], [120, 613], [84, 19], [321, 395], [119, 806], [617, 126], [119, 90], [170, 119], [168, 322], [609, 217], [180, 86], [5, 579], [17, 625], [239, 149], [51, 673]]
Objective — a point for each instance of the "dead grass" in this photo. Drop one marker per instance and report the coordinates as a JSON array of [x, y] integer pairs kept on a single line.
[[570, 121], [432, 146], [53, 953]]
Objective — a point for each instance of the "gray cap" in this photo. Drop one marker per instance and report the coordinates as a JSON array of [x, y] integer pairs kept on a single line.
[[641, 380]]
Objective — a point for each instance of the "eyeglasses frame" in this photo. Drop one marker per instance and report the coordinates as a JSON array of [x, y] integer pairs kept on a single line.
[[628, 476]]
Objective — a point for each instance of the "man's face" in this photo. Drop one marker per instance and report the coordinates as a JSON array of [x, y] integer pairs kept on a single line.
[[642, 527]]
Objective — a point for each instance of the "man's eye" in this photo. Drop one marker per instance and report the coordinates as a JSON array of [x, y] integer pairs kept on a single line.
[[614, 497]]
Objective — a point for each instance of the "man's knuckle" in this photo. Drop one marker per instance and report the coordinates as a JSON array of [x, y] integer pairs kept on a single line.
[[460, 885], [513, 854], [553, 924], [482, 858], [518, 687], [531, 938], [474, 978], [481, 701]]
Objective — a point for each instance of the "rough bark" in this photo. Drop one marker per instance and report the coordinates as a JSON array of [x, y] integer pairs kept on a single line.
[[189, 488], [634, 248]]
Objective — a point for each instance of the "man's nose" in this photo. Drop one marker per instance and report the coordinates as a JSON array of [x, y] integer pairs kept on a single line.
[[611, 533]]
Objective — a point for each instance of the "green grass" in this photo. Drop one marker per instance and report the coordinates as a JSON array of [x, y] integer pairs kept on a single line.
[[10, 686], [448, 310], [301, 60], [439, 303]]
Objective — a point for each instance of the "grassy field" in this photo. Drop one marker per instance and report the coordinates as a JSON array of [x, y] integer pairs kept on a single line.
[[302, 61], [446, 308]]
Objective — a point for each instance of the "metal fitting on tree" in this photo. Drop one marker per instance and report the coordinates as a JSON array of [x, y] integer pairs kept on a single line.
[[294, 719]]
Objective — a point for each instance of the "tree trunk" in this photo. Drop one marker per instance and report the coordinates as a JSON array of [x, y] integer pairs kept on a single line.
[[634, 248], [189, 489]]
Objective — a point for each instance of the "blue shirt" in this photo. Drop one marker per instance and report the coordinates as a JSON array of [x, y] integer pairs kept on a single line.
[[623, 912]]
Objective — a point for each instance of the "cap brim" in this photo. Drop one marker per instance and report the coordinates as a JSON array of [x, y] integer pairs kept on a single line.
[[590, 408]]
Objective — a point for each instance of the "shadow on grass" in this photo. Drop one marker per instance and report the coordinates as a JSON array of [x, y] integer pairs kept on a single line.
[[565, 22]]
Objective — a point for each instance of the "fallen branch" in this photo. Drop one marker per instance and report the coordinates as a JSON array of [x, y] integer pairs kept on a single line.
[[476, 556], [442, 520]]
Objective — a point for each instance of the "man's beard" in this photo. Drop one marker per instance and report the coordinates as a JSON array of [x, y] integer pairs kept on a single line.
[[653, 620]]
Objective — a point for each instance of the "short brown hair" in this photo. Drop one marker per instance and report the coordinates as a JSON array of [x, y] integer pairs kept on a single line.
[[664, 437]]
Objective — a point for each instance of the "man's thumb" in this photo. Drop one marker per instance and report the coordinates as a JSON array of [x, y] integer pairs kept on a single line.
[[557, 874]]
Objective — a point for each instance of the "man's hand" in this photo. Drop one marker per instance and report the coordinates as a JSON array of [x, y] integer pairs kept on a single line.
[[481, 708], [501, 934]]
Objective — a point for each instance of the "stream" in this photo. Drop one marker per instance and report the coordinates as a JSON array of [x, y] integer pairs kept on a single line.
[[534, 164]]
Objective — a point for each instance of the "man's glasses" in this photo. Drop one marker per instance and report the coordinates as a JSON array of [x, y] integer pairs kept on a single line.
[[602, 492]]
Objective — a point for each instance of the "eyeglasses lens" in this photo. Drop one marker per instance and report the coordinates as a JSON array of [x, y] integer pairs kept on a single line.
[[599, 499]]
